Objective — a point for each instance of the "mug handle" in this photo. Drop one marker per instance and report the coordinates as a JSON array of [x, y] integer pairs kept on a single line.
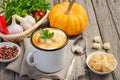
[[29, 55]]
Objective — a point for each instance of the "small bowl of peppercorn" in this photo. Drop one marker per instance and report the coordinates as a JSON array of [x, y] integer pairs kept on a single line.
[[9, 51]]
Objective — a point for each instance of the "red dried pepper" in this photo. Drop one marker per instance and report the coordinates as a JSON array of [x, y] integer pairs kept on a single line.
[[3, 26]]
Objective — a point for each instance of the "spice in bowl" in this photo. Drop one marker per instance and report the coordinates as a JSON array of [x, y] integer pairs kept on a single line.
[[8, 51]]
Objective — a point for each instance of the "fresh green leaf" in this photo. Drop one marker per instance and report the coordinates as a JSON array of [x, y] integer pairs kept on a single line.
[[45, 34], [50, 35]]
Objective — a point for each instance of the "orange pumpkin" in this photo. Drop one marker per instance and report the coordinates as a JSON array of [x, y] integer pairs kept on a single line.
[[73, 19]]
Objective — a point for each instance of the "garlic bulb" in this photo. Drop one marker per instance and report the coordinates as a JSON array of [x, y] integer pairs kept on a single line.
[[14, 28], [26, 22]]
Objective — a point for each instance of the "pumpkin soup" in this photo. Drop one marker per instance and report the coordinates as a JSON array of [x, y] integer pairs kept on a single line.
[[57, 40]]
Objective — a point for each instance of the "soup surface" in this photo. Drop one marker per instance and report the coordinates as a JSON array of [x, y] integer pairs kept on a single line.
[[57, 41]]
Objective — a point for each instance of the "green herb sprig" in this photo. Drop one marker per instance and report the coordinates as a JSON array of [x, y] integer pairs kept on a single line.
[[22, 7], [45, 34]]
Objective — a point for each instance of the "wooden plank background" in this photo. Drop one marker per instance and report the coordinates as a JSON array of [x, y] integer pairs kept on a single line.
[[104, 20]]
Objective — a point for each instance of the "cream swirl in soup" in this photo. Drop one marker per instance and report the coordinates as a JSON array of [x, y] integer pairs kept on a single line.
[[58, 40]]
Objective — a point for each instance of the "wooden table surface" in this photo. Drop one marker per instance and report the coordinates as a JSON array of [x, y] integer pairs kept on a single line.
[[104, 21]]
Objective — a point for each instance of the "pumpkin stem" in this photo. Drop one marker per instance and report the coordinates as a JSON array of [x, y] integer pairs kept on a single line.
[[69, 7]]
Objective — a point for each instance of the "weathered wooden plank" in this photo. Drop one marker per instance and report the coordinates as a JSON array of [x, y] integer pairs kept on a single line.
[[56, 2], [51, 3], [114, 7], [2, 68], [92, 28], [16, 76], [107, 30], [92, 75], [60, 1], [24, 78], [91, 31], [8, 75]]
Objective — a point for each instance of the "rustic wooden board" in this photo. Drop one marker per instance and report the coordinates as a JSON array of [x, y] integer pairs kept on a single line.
[[114, 7], [8, 75], [104, 21], [91, 31], [108, 30], [2, 67]]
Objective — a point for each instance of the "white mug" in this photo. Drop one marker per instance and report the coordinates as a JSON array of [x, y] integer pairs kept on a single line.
[[48, 61]]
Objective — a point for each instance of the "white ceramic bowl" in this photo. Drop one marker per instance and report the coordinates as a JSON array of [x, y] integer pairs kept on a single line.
[[97, 72], [10, 44]]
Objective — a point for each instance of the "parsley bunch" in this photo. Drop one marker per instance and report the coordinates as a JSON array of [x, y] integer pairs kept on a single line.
[[44, 34], [22, 7]]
